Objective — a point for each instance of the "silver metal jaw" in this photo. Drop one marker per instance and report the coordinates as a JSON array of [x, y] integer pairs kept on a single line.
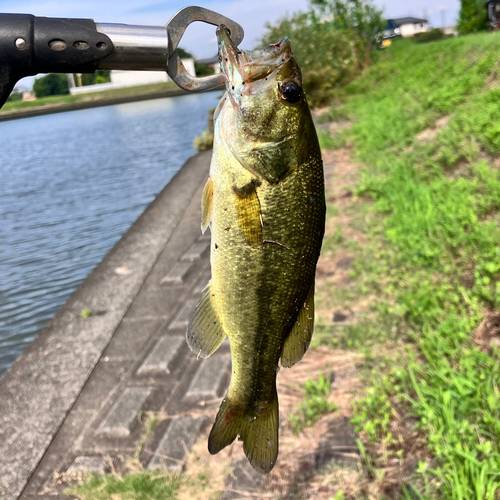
[[140, 48], [153, 48]]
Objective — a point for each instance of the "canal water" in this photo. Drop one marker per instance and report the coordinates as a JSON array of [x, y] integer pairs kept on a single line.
[[71, 184]]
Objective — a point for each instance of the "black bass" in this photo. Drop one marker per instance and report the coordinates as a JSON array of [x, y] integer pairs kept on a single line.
[[265, 204]]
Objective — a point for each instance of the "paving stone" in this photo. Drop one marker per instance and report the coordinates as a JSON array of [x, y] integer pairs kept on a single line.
[[208, 379], [105, 377], [339, 316], [178, 274], [182, 318], [94, 464], [121, 419], [344, 263], [207, 236], [338, 444], [158, 360], [131, 337], [39, 391], [196, 250], [176, 443], [243, 482], [202, 282]]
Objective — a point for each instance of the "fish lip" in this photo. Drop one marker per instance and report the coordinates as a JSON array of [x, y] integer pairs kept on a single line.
[[241, 68], [229, 56]]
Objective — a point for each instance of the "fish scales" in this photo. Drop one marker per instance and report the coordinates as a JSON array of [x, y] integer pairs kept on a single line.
[[264, 202]]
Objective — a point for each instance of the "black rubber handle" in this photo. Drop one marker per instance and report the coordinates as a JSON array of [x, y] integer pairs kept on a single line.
[[30, 45]]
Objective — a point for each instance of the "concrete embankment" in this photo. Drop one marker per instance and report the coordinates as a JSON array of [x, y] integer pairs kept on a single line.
[[75, 400], [59, 108]]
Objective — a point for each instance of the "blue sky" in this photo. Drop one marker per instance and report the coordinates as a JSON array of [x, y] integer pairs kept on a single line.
[[200, 39]]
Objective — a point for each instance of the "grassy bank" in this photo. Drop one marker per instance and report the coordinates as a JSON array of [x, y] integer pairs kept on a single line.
[[425, 128], [105, 95]]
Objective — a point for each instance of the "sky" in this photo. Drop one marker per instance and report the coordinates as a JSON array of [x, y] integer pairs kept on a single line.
[[199, 39]]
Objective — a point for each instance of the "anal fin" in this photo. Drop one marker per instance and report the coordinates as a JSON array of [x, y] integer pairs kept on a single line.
[[206, 204], [204, 333], [299, 338]]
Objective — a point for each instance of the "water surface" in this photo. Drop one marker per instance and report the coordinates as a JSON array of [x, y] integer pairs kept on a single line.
[[70, 185]]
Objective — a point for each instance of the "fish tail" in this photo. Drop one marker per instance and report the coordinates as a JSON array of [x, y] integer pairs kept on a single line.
[[258, 429]]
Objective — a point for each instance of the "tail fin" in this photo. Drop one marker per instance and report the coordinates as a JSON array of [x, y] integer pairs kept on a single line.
[[258, 429]]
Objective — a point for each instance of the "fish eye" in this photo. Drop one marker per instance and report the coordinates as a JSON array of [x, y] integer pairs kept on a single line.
[[290, 92]]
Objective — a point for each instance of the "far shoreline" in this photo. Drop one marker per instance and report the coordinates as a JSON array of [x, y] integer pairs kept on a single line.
[[59, 108]]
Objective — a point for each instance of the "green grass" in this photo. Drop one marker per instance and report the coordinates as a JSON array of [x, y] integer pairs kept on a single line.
[[315, 404], [137, 486], [434, 213], [138, 90]]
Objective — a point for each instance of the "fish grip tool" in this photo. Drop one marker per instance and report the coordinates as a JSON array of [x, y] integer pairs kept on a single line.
[[30, 45]]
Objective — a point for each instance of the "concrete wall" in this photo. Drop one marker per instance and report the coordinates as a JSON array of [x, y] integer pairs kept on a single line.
[[131, 78]]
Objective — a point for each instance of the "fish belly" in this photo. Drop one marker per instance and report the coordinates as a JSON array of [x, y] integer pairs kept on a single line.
[[266, 240]]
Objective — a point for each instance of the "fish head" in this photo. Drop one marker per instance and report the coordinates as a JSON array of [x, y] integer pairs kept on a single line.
[[264, 108]]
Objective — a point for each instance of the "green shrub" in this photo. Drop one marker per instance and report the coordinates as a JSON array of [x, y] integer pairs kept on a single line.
[[315, 404], [429, 36], [330, 52], [51, 84], [472, 17], [15, 96], [203, 69]]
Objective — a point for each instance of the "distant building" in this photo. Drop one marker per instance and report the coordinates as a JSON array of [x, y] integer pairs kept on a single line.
[[26, 94], [29, 96], [450, 30], [212, 62], [493, 7], [132, 78], [405, 27]]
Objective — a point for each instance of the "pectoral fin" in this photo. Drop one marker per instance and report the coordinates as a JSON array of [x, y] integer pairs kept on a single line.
[[299, 338], [271, 161], [204, 333], [249, 216], [206, 204]]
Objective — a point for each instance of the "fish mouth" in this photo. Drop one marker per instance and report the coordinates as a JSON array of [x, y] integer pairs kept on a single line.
[[242, 68]]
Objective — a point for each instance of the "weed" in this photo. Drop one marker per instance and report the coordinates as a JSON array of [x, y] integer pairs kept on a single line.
[[135, 486], [85, 313], [315, 404], [433, 211], [151, 423]]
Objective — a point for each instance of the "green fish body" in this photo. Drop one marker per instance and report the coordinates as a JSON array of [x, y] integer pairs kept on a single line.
[[265, 204]]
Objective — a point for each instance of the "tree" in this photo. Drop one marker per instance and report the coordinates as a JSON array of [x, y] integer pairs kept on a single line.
[[332, 42], [473, 17], [100, 76], [51, 84], [203, 69], [359, 17], [184, 54]]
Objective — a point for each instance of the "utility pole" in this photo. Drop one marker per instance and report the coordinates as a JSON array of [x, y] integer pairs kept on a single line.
[[443, 16]]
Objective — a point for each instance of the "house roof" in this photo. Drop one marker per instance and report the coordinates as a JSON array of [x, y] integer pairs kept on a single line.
[[406, 20], [209, 60]]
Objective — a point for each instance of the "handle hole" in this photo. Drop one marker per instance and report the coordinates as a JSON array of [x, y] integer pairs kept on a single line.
[[80, 45], [58, 45], [101, 45]]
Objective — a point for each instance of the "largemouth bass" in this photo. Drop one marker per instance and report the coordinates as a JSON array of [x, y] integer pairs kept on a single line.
[[265, 204]]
